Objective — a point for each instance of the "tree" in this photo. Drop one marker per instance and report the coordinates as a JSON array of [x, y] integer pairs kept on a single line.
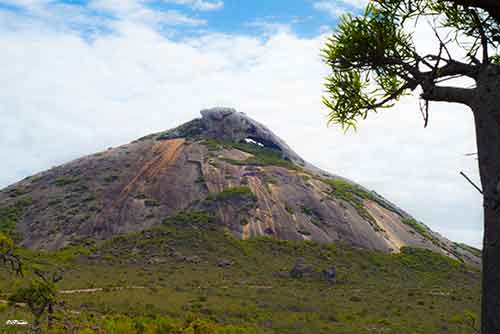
[[374, 62], [8, 256], [40, 296]]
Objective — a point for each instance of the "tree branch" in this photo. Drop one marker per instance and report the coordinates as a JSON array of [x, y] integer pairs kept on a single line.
[[453, 68], [492, 7], [393, 96], [435, 93], [482, 34]]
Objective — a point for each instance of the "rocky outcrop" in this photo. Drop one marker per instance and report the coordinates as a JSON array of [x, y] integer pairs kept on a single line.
[[224, 163], [228, 124]]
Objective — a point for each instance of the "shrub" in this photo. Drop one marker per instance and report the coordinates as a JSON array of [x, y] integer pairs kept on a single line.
[[111, 178], [307, 211], [236, 193], [63, 181], [190, 218], [151, 202]]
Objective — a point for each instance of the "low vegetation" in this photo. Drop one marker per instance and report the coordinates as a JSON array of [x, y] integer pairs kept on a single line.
[[354, 195], [64, 181], [171, 276], [10, 215], [235, 193], [261, 156]]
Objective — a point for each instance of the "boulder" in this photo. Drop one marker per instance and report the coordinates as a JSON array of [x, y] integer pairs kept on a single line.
[[330, 273], [224, 263], [300, 269]]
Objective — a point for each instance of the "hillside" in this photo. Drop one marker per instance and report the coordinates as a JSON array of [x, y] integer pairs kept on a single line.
[[218, 226], [192, 268], [225, 163]]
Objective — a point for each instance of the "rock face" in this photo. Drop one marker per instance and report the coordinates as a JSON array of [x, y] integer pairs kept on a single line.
[[225, 163]]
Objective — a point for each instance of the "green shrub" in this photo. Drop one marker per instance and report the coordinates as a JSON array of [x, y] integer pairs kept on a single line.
[[307, 211], [111, 178], [3, 308], [190, 218], [151, 202], [64, 181], [236, 193]]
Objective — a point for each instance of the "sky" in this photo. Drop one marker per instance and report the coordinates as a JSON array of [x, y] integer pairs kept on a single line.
[[79, 76]]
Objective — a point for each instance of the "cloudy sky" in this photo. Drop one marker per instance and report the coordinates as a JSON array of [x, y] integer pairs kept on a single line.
[[79, 76]]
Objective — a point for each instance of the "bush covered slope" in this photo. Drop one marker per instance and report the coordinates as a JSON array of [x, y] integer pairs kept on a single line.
[[191, 267]]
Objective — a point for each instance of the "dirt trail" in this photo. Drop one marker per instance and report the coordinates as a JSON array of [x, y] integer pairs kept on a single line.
[[75, 291], [119, 288]]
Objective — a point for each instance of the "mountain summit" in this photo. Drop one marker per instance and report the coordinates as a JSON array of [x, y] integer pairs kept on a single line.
[[224, 163]]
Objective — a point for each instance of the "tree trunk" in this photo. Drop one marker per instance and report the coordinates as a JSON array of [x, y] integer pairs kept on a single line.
[[487, 120], [36, 327]]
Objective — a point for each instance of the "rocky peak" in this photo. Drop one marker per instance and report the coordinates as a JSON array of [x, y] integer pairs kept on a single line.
[[228, 124]]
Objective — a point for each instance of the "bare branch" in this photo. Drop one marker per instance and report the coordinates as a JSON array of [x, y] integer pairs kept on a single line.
[[432, 92], [453, 68], [482, 34]]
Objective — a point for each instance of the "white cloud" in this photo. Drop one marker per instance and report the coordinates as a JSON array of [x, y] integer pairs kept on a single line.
[[202, 5], [63, 97], [338, 7], [270, 26], [59, 15]]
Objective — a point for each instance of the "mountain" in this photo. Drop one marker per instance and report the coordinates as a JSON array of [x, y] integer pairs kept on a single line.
[[224, 163]]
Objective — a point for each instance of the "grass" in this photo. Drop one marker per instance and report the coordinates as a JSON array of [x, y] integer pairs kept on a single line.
[[414, 292]]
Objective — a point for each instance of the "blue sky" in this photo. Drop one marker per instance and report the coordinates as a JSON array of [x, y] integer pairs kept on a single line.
[[305, 17], [84, 75]]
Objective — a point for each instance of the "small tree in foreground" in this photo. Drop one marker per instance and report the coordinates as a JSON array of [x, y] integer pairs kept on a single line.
[[8, 256], [40, 296], [374, 62]]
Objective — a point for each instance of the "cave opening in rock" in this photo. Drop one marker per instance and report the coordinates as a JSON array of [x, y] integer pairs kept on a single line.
[[262, 143]]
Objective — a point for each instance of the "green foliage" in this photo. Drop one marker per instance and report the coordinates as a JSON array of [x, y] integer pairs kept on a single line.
[[37, 295], [357, 81], [64, 181], [420, 229], [190, 130], [191, 218], [151, 202], [473, 250], [3, 307], [111, 178], [425, 260], [122, 324], [414, 292], [10, 215], [200, 179], [307, 211], [347, 191], [261, 156], [236, 193], [355, 195], [8, 218], [6, 244], [212, 144], [374, 62]]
